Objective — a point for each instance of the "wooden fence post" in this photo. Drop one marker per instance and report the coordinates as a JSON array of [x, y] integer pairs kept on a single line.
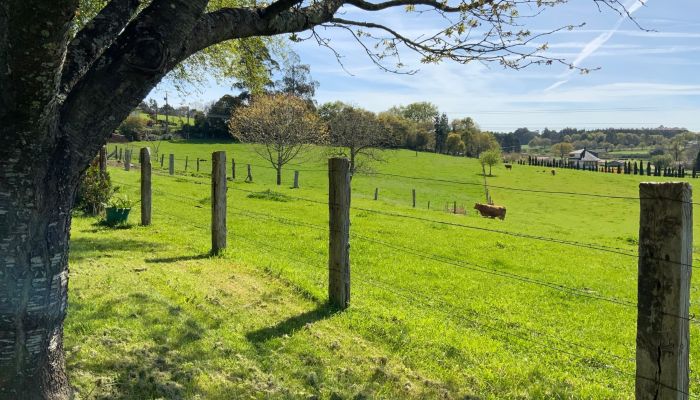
[[171, 164], [428, 204], [127, 160], [187, 162], [103, 159], [233, 169], [249, 178], [120, 154], [162, 160], [296, 180], [218, 201], [454, 208], [145, 161], [339, 235], [376, 193], [198, 164], [413, 192], [663, 290]]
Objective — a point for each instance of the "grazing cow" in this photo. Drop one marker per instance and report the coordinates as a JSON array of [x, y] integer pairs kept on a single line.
[[554, 172], [509, 167], [490, 211]]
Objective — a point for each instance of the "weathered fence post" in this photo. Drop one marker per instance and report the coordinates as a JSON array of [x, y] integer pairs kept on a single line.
[[339, 235], [428, 204], [103, 159], [249, 178], [197, 164], [187, 162], [120, 154], [145, 161], [376, 193], [218, 201], [162, 160], [454, 208], [127, 160], [233, 169], [413, 193], [663, 290], [296, 180], [171, 164]]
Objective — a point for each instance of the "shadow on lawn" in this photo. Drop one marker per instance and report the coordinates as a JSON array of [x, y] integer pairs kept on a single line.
[[94, 247], [165, 260], [160, 366], [292, 324]]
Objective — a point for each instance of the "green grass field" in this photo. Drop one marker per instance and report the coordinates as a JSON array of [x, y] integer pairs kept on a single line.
[[153, 316]]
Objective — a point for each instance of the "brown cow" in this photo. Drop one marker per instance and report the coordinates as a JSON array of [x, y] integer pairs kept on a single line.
[[554, 172], [490, 211], [508, 167]]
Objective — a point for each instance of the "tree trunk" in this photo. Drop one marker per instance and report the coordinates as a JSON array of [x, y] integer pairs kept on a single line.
[[35, 204], [279, 169]]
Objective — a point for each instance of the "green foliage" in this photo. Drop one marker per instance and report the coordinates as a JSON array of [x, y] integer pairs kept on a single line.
[[122, 201], [454, 144], [133, 128], [491, 158], [417, 112], [94, 191], [442, 129], [662, 161]]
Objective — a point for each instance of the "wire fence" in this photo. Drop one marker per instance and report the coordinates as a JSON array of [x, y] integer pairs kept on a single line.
[[491, 323]]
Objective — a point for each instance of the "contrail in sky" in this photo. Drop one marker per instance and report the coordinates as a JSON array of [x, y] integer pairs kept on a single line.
[[596, 43]]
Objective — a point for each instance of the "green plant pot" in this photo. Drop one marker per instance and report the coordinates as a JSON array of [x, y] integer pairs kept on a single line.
[[116, 216]]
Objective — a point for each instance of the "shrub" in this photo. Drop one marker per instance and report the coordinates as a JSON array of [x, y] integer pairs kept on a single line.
[[132, 128], [94, 191]]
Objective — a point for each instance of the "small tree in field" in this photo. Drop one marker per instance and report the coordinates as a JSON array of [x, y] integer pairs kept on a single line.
[[281, 126], [490, 158], [562, 149], [355, 132]]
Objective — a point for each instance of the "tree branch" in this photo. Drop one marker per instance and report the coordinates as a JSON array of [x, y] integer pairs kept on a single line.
[[94, 38], [124, 74]]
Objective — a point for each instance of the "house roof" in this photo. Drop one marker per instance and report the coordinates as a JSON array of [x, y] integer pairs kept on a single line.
[[588, 156]]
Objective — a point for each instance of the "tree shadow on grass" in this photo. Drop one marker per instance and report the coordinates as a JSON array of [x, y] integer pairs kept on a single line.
[[292, 324], [84, 248], [165, 260], [160, 366]]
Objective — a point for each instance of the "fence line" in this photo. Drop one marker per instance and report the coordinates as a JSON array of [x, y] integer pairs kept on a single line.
[[647, 322]]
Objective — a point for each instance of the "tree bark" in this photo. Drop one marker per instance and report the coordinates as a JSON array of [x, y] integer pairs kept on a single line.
[[279, 168], [35, 205]]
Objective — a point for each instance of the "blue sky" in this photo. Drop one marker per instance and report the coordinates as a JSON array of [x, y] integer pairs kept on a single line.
[[645, 79]]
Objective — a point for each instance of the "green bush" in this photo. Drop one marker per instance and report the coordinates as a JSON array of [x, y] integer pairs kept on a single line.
[[133, 128], [94, 191]]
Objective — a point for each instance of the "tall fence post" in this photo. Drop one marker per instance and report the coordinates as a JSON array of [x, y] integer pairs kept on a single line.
[[218, 201], [233, 169], [171, 164], [413, 192], [127, 160], [663, 290], [145, 161], [103, 159], [187, 162], [376, 193], [249, 178], [296, 180], [339, 235], [162, 160]]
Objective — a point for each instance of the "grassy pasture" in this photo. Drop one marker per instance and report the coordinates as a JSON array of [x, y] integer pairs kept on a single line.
[[153, 316]]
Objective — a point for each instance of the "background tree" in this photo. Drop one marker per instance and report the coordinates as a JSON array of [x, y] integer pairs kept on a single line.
[[417, 112], [133, 128], [482, 141], [562, 149], [442, 129], [355, 132], [296, 80], [281, 126], [490, 157], [72, 71], [214, 124], [454, 144]]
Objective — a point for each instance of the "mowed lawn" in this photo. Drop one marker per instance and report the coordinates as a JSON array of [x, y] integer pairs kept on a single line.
[[438, 310]]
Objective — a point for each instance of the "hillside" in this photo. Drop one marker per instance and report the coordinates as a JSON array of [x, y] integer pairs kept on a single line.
[[443, 305]]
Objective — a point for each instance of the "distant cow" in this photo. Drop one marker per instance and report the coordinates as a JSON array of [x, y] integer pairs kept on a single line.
[[490, 211], [508, 167], [554, 172]]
